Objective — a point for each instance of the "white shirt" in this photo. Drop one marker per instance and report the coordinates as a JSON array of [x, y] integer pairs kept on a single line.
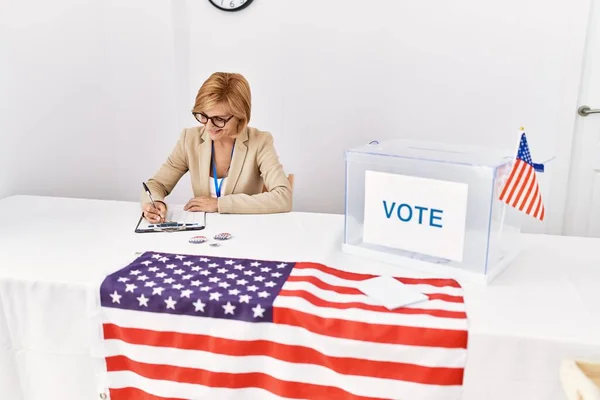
[[213, 191]]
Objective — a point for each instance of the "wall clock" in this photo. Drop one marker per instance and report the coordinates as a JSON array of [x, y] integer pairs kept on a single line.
[[230, 5]]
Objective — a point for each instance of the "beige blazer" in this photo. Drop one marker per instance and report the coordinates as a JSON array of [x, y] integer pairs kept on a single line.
[[255, 162]]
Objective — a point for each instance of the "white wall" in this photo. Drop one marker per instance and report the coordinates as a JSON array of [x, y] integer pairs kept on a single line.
[[55, 106], [325, 76], [89, 95]]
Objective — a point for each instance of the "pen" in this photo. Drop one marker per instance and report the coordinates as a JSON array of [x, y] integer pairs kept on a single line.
[[148, 193]]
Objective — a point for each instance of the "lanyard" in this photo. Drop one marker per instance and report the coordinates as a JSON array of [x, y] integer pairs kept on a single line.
[[217, 183]]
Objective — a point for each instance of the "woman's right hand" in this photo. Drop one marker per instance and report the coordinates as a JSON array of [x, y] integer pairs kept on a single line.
[[155, 214]]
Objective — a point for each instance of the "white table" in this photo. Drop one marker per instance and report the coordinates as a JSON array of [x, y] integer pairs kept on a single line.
[[55, 251]]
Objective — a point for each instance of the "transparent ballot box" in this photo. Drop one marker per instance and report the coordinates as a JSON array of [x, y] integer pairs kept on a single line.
[[431, 206]]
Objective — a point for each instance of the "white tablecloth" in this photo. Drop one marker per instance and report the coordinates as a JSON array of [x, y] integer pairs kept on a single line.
[[54, 252]]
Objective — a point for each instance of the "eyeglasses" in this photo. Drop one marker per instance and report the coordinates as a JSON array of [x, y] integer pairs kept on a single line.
[[216, 121]]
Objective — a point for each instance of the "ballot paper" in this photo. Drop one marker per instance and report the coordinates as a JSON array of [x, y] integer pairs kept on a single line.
[[390, 292]]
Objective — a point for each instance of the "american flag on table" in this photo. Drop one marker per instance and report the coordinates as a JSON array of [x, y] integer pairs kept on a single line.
[[521, 189], [194, 327]]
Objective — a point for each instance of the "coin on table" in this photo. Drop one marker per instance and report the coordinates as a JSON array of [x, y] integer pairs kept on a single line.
[[223, 236], [198, 239]]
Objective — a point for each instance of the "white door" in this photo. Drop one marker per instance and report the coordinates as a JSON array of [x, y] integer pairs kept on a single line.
[[582, 212]]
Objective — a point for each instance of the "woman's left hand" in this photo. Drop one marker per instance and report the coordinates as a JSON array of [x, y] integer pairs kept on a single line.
[[206, 204]]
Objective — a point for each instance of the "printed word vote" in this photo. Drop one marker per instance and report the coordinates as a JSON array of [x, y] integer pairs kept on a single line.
[[407, 213]]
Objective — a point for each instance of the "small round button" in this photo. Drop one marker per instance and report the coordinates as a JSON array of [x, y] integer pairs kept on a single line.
[[223, 236], [198, 239]]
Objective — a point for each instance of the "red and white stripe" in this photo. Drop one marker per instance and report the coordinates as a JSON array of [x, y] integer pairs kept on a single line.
[[328, 341], [522, 190]]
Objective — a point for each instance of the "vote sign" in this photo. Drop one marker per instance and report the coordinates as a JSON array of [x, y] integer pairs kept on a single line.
[[422, 215]]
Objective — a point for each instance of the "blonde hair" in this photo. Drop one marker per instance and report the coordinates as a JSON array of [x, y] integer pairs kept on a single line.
[[230, 89]]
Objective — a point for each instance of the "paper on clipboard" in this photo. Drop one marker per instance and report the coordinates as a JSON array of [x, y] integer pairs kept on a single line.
[[177, 220]]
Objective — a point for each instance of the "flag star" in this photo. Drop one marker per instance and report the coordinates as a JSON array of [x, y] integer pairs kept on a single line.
[[180, 257], [187, 263], [158, 291], [215, 296], [161, 275], [186, 293], [255, 264], [270, 284], [222, 270], [231, 276], [234, 292], [205, 288], [130, 287], [229, 308], [142, 278], [204, 259], [146, 263], [179, 286], [276, 274], [164, 259], [265, 269], [242, 282], [171, 266], [179, 272], [248, 272], [224, 285], [263, 294], [153, 269], [170, 303], [282, 265], [143, 300], [149, 284], [135, 272], [213, 265], [123, 280], [252, 288], [205, 273], [258, 311], [116, 297], [169, 280], [199, 305], [196, 268], [196, 283], [229, 262], [157, 256], [259, 278], [186, 277], [214, 279], [239, 267], [245, 299]]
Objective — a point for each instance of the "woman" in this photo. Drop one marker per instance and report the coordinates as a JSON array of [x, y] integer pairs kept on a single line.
[[228, 161]]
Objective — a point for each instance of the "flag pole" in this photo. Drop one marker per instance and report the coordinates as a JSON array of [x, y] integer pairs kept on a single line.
[[504, 205]]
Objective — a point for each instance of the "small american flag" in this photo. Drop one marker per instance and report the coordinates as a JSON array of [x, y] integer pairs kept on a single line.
[[521, 189], [195, 327]]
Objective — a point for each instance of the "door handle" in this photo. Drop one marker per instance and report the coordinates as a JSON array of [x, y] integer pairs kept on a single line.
[[584, 111]]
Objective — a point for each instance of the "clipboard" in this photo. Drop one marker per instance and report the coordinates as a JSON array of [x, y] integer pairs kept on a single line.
[[177, 220]]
